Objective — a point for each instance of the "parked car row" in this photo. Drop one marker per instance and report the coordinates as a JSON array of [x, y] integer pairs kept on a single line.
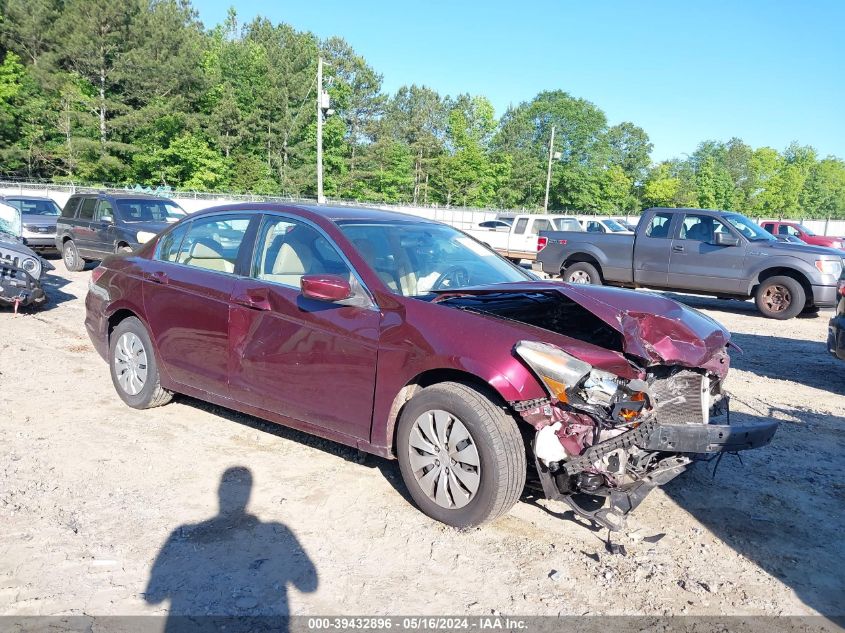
[[700, 251]]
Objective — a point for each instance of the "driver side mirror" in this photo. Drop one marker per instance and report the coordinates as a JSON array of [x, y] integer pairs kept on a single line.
[[325, 287], [725, 239]]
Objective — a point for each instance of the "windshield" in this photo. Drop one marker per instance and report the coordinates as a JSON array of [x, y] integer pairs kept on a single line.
[[416, 259], [147, 210], [34, 206], [615, 227], [10, 219], [749, 229], [567, 224]]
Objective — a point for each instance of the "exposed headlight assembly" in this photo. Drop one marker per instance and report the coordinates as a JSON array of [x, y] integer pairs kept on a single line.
[[570, 380], [30, 265], [144, 236]]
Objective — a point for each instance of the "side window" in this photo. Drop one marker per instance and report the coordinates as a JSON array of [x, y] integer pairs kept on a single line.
[[791, 230], [105, 211], [768, 226], [70, 208], [167, 249], [288, 249], [521, 223], [659, 225], [594, 227], [213, 243], [86, 211]]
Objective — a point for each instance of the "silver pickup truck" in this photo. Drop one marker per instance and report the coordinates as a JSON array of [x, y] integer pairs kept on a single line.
[[700, 251]]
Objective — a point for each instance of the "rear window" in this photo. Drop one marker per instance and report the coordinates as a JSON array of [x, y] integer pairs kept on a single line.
[[659, 225]]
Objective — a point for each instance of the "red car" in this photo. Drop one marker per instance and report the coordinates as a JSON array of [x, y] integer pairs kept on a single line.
[[409, 339], [796, 229]]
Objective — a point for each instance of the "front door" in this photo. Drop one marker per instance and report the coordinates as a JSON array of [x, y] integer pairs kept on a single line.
[[308, 360], [83, 230], [699, 264], [186, 299], [103, 228]]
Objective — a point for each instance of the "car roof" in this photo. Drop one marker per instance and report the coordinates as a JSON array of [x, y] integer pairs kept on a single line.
[[131, 195], [25, 197], [329, 212]]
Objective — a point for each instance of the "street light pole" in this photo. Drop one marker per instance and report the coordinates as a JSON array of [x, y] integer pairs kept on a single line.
[[549, 170], [321, 199]]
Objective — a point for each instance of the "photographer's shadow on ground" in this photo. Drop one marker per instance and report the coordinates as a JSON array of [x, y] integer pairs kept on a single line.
[[231, 569]]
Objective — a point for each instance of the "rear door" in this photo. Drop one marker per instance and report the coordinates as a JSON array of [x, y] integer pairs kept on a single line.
[[309, 360], [186, 299], [652, 246], [699, 264], [83, 227]]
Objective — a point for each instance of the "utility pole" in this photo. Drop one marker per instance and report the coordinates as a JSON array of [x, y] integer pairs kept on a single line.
[[321, 199], [549, 171]]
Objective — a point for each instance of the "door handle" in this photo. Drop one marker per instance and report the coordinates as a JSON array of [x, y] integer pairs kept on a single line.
[[678, 248], [253, 301], [157, 277]]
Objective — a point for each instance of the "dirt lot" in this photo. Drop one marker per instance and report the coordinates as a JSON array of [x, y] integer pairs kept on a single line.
[[92, 493]]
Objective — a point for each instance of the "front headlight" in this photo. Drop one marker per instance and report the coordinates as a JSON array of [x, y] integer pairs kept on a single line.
[[558, 370], [30, 266], [829, 266], [144, 236]]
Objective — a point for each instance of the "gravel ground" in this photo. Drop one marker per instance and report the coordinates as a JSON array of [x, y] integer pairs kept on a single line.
[[105, 510]]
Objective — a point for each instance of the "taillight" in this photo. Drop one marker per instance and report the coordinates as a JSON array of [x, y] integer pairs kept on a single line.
[[840, 287], [541, 243], [97, 273]]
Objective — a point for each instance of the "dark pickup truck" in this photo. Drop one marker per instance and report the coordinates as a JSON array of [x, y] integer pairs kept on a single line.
[[700, 251]]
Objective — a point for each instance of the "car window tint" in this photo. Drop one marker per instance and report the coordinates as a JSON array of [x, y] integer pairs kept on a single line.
[[146, 210], [105, 211], [594, 227], [520, 226], [167, 249], [542, 225], [769, 226], [213, 243], [288, 249], [86, 211], [659, 225], [69, 210]]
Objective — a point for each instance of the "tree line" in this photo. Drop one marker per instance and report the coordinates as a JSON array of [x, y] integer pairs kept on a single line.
[[140, 91]]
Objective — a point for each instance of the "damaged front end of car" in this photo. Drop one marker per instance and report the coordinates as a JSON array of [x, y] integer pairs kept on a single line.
[[21, 269], [619, 423]]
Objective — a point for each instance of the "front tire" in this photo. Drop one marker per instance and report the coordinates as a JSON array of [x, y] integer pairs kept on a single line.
[[780, 298], [461, 456], [70, 256], [134, 368], [582, 273]]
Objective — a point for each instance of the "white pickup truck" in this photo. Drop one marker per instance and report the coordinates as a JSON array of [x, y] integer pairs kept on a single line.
[[521, 239]]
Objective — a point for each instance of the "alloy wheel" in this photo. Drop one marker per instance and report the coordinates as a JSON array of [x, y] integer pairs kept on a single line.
[[130, 363], [444, 459]]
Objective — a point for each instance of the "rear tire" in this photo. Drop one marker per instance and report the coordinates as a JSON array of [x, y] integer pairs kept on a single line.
[[451, 420], [780, 298], [582, 273], [70, 256], [134, 368]]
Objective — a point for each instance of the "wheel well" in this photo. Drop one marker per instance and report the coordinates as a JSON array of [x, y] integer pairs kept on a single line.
[[65, 238], [582, 257], [785, 272], [433, 377], [117, 317]]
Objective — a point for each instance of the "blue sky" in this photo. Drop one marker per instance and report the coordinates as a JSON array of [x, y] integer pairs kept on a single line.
[[768, 72]]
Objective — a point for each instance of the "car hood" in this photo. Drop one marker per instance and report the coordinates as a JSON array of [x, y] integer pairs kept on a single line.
[[790, 248], [150, 227], [39, 220], [652, 328]]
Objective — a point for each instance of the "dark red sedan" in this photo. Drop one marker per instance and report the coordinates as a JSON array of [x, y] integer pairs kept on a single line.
[[409, 339]]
